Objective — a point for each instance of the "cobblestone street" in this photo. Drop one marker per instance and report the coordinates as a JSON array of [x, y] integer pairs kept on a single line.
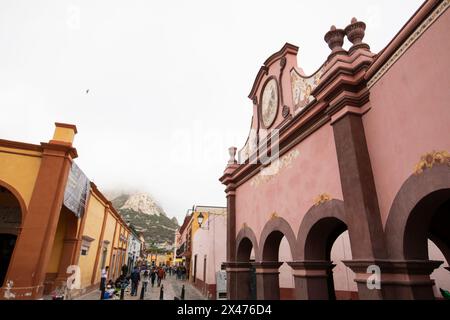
[[172, 289]]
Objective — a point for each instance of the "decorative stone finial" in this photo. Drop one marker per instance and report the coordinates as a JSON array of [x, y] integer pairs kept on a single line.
[[335, 39], [232, 152], [355, 32]]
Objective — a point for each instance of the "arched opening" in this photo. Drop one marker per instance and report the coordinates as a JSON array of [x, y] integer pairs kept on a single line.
[[275, 275], [430, 218], [247, 279], [427, 237], [287, 283], [324, 238], [420, 212], [10, 221], [345, 287], [441, 275]]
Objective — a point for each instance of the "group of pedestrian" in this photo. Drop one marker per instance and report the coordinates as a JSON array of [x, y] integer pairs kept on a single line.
[[181, 271], [157, 274], [146, 275]]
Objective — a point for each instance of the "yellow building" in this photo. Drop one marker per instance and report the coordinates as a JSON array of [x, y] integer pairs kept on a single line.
[[44, 229], [160, 259]]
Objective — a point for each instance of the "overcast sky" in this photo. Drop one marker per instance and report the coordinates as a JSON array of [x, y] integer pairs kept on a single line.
[[168, 80]]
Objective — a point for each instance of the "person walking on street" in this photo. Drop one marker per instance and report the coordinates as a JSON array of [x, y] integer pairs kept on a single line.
[[161, 274], [103, 277], [153, 276], [145, 280], [124, 269], [135, 278]]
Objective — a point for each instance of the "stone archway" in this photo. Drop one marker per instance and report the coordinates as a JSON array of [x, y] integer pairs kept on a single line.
[[419, 212], [244, 285], [268, 264], [12, 210], [319, 229]]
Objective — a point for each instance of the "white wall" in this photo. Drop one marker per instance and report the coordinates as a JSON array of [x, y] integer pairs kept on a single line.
[[343, 277], [284, 255], [441, 276]]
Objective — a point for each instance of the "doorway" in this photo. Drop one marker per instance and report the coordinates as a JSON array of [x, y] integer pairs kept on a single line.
[[10, 221], [7, 243], [195, 268]]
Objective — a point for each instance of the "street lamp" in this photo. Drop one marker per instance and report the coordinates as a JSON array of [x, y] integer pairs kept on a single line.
[[200, 219]]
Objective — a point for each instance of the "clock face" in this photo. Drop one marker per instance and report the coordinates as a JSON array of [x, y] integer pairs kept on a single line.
[[269, 103]]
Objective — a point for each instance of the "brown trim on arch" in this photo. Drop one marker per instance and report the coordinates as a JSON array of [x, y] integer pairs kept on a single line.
[[415, 189], [273, 225], [246, 233], [333, 211]]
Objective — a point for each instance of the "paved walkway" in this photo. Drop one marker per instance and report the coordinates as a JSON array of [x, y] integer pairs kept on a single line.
[[172, 289]]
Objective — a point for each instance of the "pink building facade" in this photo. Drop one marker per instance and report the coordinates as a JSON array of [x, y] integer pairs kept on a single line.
[[355, 203], [209, 249]]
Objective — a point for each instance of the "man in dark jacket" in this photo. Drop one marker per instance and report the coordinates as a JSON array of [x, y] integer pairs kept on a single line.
[[135, 278], [153, 276], [124, 269]]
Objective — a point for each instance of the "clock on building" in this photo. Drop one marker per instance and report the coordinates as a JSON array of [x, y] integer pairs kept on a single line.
[[269, 103]]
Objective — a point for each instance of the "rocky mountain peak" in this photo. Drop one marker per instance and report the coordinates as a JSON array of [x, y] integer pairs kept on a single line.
[[146, 216], [143, 203]]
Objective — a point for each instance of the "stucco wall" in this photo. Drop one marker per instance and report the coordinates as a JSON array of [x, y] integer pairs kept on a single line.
[[108, 235], [92, 228], [212, 244], [410, 112], [20, 170], [58, 243], [291, 193]]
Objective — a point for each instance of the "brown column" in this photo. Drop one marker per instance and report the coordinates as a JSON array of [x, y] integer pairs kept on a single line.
[[403, 280], [231, 225], [231, 243], [238, 274], [313, 279], [34, 246], [358, 188], [267, 280], [230, 191]]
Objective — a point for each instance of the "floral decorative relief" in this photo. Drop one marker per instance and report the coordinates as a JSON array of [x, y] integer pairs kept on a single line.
[[267, 174], [431, 159], [321, 199]]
